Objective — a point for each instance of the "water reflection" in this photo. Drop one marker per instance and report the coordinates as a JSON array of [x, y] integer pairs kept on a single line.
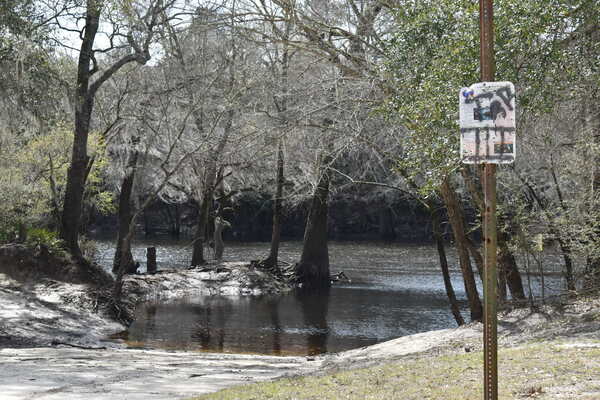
[[314, 308], [298, 323], [150, 316], [273, 306], [396, 290]]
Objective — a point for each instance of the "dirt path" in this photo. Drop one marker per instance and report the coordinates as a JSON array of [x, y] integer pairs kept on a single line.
[[75, 374]]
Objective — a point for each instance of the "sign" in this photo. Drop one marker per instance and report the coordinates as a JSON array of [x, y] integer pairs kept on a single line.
[[487, 123]]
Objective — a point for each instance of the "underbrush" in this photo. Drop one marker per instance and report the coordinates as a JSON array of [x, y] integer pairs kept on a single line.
[[44, 237]]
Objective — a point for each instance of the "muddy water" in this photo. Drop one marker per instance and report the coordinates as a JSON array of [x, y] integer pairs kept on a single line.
[[396, 290]]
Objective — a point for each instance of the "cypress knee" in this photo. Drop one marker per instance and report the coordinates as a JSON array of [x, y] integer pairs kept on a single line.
[[151, 260]]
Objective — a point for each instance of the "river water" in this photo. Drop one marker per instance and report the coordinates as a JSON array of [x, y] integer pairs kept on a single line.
[[395, 290]]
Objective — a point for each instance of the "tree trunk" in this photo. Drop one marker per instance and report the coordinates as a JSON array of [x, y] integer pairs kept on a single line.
[[508, 265], [476, 255], [592, 123], [147, 228], [151, 265], [456, 217], [508, 271], [176, 231], [201, 224], [564, 246], [123, 254], [313, 268], [210, 181], [502, 292], [439, 240], [81, 163], [21, 232], [77, 174], [567, 257], [281, 107], [277, 210], [220, 224]]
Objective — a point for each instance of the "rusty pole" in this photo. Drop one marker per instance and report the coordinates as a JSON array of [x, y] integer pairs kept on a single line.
[[490, 278]]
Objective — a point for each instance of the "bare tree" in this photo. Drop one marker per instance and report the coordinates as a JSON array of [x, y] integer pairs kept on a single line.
[[90, 78]]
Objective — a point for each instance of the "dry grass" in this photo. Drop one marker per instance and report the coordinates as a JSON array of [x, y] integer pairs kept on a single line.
[[549, 370]]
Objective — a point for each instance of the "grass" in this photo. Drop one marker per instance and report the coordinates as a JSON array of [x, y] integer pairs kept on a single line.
[[540, 371]]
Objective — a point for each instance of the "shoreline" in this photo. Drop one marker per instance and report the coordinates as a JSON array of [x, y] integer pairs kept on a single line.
[[41, 311], [71, 373], [54, 339]]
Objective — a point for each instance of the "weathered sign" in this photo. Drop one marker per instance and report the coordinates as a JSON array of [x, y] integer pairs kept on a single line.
[[487, 123]]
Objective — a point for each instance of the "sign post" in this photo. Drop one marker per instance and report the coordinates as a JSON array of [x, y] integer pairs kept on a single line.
[[487, 127], [490, 317]]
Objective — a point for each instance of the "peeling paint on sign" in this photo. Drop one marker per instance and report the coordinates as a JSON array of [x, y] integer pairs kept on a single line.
[[487, 123]]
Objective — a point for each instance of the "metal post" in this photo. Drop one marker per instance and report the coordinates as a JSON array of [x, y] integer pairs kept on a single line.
[[490, 285], [490, 278]]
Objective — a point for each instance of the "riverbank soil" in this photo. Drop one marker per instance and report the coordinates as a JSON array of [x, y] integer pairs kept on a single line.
[[553, 353], [46, 299], [231, 278], [49, 312], [550, 370], [76, 374]]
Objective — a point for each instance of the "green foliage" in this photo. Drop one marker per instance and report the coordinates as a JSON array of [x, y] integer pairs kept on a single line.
[[17, 16], [45, 161], [46, 238], [431, 56], [7, 233], [18, 198], [435, 51], [551, 52], [33, 178]]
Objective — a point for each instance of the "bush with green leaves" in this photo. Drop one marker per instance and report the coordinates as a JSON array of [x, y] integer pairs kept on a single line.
[[33, 179], [551, 52], [43, 237]]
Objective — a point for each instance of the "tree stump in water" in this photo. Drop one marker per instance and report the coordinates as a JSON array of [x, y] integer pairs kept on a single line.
[[151, 260], [220, 224]]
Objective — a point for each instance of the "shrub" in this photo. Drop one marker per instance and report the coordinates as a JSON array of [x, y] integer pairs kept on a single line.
[[89, 248], [46, 238]]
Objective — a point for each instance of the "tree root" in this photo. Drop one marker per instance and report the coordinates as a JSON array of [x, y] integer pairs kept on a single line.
[[283, 271], [339, 277]]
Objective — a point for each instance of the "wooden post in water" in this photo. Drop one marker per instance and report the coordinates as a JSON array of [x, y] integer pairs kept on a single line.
[[490, 278], [151, 260]]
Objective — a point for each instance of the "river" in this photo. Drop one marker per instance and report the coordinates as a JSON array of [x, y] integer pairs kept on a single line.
[[395, 290]]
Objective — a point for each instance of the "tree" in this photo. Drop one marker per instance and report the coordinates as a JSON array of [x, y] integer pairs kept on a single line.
[[537, 53], [343, 43], [210, 67], [145, 17], [279, 63], [457, 221]]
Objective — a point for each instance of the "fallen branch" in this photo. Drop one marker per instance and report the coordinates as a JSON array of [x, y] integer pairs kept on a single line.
[[58, 343]]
